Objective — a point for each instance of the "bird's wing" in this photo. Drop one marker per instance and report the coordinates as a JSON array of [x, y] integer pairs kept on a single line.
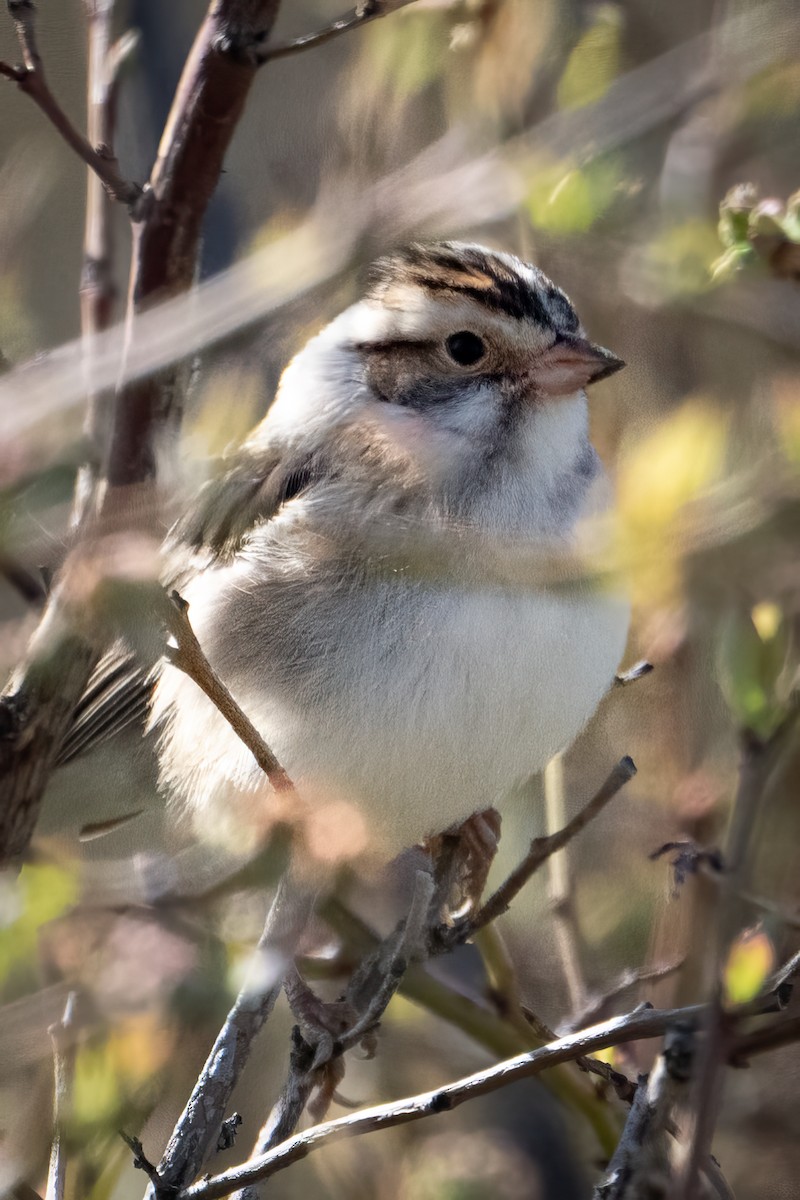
[[253, 490], [117, 695]]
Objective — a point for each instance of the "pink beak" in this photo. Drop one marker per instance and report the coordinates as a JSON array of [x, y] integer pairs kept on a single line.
[[572, 363]]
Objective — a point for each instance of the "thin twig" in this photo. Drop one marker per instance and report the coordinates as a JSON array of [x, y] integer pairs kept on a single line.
[[543, 847], [140, 1160], [488, 1028], [30, 78], [560, 888], [362, 14], [188, 657], [596, 1005], [62, 1038]]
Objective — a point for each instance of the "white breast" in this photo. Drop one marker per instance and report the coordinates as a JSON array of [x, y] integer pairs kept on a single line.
[[419, 706]]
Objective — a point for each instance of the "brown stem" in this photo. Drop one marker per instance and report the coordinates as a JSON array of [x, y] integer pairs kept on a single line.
[[189, 658], [98, 292], [30, 78], [543, 847], [210, 98]]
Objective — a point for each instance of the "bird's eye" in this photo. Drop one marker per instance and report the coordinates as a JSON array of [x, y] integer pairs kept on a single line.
[[465, 348]]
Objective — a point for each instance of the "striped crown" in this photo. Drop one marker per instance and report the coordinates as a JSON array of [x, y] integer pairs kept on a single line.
[[501, 282]]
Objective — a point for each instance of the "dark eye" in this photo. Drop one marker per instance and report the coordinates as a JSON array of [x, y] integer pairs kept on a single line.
[[465, 348]]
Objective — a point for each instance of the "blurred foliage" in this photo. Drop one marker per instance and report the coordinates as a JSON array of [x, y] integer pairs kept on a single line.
[[758, 232], [754, 652], [42, 893], [750, 961], [658, 478], [594, 63], [565, 199], [633, 201]]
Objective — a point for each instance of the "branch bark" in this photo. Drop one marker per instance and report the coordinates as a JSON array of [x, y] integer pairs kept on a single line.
[[209, 101], [30, 78], [543, 847], [647, 1023], [36, 710], [196, 1134]]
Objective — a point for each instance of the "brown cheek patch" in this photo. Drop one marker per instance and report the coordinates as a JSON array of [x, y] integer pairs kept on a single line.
[[395, 373]]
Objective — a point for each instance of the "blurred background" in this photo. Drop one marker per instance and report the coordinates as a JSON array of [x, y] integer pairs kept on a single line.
[[600, 141]]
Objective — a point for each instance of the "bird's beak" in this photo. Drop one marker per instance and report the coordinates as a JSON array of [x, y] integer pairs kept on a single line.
[[572, 363]]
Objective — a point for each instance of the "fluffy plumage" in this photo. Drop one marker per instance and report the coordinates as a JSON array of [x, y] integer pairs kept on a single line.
[[415, 699]]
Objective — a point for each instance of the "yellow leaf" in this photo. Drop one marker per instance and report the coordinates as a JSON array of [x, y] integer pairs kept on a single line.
[[767, 618], [594, 63], [751, 958], [658, 477], [564, 198]]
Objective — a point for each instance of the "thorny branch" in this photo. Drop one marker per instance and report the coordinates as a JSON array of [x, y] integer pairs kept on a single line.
[[30, 78]]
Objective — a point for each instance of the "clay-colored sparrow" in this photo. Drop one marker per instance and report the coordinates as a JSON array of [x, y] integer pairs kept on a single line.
[[450, 399]]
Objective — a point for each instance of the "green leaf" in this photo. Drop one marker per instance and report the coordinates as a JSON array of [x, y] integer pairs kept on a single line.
[[753, 652]]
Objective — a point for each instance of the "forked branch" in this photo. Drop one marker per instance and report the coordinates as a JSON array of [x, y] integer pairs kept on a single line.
[[30, 78]]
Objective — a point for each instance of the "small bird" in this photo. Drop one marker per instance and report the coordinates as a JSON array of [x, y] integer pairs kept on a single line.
[[449, 401]]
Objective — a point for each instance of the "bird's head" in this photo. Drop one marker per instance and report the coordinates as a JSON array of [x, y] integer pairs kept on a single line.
[[465, 354]]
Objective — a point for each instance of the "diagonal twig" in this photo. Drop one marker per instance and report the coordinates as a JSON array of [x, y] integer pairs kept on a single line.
[[543, 847], [30, 78], [188, 656], [362, 14]]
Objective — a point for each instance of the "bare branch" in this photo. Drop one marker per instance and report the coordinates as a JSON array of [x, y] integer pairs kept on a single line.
[[98, 291], [30, 78], [560, 888], [543, 847], [362, 14], [62, 1038], [209, 101], [640, 1024], [188, 657], [197, 1132], [758, 761], [326, 1031]]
